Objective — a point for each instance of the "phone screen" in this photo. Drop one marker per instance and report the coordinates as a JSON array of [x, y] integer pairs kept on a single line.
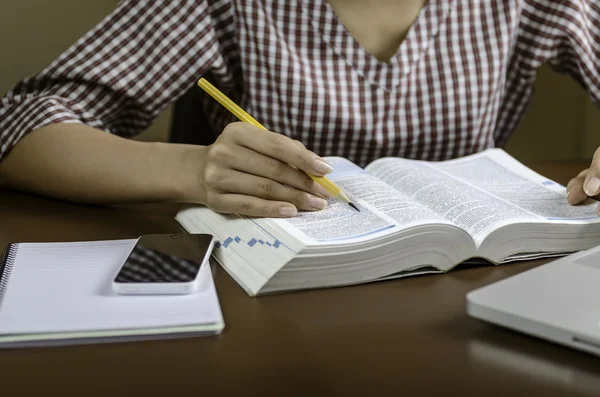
[[165, 258]]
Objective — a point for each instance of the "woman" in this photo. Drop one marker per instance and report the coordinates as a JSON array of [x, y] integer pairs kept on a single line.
[[361, 79]]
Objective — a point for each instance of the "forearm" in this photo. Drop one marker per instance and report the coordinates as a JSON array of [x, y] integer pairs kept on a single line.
[[78, 163]]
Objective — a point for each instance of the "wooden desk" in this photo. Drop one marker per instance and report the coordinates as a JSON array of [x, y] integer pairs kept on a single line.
[[407, 337]]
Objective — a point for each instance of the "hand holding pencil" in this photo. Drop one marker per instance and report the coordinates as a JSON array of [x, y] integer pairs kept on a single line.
[[252, 171]]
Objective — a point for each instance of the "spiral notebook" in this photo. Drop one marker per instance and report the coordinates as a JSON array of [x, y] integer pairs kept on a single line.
[[61, 294]]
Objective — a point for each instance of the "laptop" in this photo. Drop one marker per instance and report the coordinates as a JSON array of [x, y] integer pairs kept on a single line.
[[558, 301]]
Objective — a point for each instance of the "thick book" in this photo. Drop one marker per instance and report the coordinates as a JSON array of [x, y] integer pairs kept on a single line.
[[415, 217], [61, 294]]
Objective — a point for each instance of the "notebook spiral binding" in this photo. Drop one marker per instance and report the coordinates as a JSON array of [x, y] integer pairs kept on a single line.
[[6, 266]]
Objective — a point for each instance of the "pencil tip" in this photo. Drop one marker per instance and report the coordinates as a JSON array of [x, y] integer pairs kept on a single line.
[[353, 206]]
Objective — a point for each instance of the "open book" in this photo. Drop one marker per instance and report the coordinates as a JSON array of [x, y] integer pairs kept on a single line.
[[415, 217]]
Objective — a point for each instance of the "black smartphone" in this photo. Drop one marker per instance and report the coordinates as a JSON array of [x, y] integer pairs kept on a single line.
[[165, 264]]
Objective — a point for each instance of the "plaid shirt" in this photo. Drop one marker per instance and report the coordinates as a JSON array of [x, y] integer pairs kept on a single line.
[[459, 82]]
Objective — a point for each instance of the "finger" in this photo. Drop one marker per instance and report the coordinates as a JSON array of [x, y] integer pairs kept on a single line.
[[575, 193], [251, 185], [282, 148], [254, 163], [253, 206], [576, 182], [300, 144]]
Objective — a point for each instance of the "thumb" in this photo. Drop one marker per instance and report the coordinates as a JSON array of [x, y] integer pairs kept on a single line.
[[591, 183]]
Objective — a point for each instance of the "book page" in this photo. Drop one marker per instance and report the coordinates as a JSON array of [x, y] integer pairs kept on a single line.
[[480, 192], [498, 173], [383, 210], [465, 205]]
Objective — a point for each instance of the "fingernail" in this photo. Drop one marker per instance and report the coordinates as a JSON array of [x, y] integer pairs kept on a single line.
[[322, 191], [317, 203], [322, 167], [592, 187], [287, 211]]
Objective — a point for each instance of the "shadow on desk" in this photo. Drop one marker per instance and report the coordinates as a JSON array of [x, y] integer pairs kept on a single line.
[[27, 218], [534, 358]]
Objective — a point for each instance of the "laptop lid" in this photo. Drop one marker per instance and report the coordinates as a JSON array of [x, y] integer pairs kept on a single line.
[[558, 301]]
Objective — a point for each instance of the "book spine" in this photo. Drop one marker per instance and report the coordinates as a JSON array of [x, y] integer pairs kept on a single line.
[[6, 265]]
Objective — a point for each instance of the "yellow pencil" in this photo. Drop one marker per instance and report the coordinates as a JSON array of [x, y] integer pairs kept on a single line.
[[238, 112]]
